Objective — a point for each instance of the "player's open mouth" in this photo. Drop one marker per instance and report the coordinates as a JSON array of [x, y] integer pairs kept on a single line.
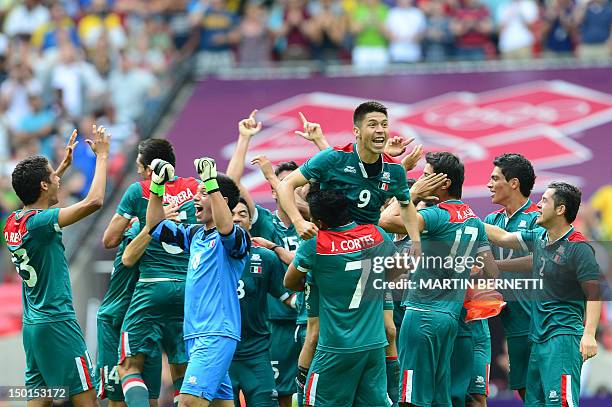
[[198, 210], [379, 141]]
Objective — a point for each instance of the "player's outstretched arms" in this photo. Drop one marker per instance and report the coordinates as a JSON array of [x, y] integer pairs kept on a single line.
[[95, 197], [499, 237], [294, 279], [221, 213], [520, 264], [67, 161], [286, 197], [162, 172]]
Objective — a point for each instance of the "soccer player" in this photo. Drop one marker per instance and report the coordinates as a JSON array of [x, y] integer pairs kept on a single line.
[[155, 314], [450, 229], [251, 370], [370, 177], [218, 250], [511, 182], [111, 313], [565, 312], [277, 228], [56, 355], [348, 368]]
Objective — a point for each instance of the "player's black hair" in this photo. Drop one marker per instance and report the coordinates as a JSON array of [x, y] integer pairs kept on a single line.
[[329, 206], [449, 164], [244, 202], [367, 107], [569, 196], [517, 166], [153, 148], [229, 190], [285, 166], [410, 182], [28, 175]]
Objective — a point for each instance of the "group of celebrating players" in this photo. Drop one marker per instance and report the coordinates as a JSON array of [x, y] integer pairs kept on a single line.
[[268, 304]]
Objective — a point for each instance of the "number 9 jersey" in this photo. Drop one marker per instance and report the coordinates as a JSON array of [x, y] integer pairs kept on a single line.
[[341, 168], [34, 239]]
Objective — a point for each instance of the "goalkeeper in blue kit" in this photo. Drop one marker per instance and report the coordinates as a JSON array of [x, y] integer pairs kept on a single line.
[[218, 252]]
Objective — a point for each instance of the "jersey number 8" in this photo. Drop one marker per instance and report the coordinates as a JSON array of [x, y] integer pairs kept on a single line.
[[20, 259]]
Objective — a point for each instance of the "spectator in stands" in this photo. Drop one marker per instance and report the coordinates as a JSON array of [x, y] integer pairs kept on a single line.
[[438, 38], [128, 87], [255, 38], [152, 48], [601, 202], [515, 21], [214, 27], [330, 28], [78, 80], [594, 21], [406, 25], [14, 94], [369, 28], [25, 18], [45, 36], [472, 27], [38, 127], [98, 20], [559, 30], [297, 30]]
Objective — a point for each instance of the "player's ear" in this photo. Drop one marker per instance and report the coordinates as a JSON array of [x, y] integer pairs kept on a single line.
[[514, 183], [560, 210], [44, 186], [356, 131]]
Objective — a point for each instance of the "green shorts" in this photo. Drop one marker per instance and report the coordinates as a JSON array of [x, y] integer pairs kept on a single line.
[[553, 376], [284, 355], [154, 318], [109, 383], [425, 346], [347, 379], [519, 348], [300, 336], [56, 356], [254, 376], [461, 369], [479, 382]]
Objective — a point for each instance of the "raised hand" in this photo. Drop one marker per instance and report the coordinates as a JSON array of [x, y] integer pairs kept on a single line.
[[411, 160], [207, 170], [425, 186], [249, 127], [396, 146], [264, 165], [67, 161], [306, 229], [163, 171], [100, 144], [312, 131], [172, 212]]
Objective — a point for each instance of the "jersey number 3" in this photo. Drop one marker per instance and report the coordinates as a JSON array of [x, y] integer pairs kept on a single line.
[[20, 259]]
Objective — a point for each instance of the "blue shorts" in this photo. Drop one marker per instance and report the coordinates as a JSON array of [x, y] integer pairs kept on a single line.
[[207, 374]]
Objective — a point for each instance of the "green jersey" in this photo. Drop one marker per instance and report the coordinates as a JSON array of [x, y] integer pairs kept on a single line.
[[269, 226], [562, 265], [516, 316], [350, 299], [34, 239], [451, 240], [121, 285], [262, 275], [162, 260], [341, 168]]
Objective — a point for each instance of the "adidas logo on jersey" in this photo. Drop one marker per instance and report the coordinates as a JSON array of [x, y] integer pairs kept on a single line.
[[351, 169]]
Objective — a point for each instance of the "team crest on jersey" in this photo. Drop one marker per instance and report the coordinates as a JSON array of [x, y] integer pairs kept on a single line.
[[522, 224], [480, 380], [351, 169], [386, 176], [553, 395]]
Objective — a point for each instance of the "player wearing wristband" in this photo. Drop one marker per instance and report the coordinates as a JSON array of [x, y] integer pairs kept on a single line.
[[251, 370], [218, 250], [511, 182], [566, 311], [155, 316], [56, 355]]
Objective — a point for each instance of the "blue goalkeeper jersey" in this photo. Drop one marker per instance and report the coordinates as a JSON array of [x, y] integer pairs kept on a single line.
[[216, 263]]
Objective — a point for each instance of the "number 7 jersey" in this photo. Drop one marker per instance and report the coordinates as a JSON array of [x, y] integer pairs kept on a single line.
[[34, 239]]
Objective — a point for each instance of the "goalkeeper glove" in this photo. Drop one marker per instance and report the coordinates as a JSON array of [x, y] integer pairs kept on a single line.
[[163, 172], [207, 170]]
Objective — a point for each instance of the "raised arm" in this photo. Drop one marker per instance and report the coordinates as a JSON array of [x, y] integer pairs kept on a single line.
[[95, 197], [283, 254], [312, 132], [67, 161], [221, 213], [392, 221]]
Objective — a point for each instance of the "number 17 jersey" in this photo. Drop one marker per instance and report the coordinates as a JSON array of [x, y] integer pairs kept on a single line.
[[34, 239]]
